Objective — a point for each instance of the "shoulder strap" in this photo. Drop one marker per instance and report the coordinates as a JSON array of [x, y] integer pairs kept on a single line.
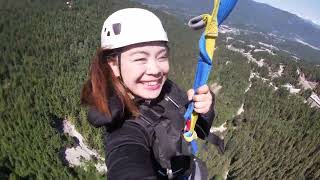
[[148, 119]]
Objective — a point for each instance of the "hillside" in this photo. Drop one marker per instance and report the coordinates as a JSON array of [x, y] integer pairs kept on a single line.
[[45, 53], [263, 113], [297, 34], [268, 19], [46, 48]]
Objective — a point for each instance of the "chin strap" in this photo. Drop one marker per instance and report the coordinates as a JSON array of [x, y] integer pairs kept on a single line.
[[121, 79], [119, 65]]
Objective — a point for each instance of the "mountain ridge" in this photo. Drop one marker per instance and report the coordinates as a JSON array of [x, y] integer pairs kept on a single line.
[[250, 14]]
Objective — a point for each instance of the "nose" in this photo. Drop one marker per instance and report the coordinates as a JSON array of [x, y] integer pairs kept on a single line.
[[153, 67]]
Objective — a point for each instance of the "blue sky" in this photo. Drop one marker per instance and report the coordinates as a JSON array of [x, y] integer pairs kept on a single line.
[[308, 9]]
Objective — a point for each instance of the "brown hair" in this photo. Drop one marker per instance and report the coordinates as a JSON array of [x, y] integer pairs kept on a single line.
[[102, 81]]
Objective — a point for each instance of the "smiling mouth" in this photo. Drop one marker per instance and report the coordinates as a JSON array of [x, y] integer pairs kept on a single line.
[[152, 85]]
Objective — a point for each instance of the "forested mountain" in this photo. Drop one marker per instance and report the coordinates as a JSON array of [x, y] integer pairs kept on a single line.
[[46, 47], [249, 15]]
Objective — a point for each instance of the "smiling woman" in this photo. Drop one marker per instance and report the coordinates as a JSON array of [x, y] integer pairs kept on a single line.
[[128, 92], [146, 67]]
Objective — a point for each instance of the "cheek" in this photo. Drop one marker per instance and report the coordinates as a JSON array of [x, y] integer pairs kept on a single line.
[[165, 67], [131, 72]]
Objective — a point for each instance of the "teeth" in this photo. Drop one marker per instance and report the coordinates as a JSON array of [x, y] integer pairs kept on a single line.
[[153, 83]]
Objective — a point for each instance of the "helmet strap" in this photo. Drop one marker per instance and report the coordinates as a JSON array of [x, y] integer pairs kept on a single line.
[[121, 79], [119, 65]]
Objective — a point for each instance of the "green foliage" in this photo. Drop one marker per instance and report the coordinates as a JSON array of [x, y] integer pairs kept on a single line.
[[278, 138], [317, 89], [312, 72], [234, 79], [44, 59], [263, 71], [273, 138], [306, 93], [45, 53]]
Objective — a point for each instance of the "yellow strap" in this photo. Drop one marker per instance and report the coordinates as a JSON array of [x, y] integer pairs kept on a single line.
[[211, 31], [211, 34], [192, 137], [194, 118]]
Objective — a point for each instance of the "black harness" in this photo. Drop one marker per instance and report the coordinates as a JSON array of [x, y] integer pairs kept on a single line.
[[164, 124]]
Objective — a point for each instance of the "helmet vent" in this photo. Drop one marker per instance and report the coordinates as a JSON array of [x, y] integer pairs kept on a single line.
[[116, 28], [105, 29], [108, 33]]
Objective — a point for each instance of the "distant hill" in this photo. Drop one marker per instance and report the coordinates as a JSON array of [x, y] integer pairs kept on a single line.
[[250, 15], [265, 18]]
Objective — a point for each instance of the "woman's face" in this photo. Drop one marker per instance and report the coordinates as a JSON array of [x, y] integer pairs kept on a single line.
[[144, 68]]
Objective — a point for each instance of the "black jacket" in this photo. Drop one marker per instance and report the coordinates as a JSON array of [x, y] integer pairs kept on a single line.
[[128, 154]]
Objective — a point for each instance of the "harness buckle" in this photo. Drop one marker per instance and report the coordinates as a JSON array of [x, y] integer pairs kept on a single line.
[[169, 174]]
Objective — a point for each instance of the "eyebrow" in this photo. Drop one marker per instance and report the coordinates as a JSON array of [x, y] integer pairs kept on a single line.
[[145, 53], [138, 52], [162, 50]]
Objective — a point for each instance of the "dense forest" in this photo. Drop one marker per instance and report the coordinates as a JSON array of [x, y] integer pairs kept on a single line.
[[46, 48], [277, 135]]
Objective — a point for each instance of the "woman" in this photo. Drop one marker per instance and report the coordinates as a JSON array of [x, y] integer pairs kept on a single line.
[[129, 93]]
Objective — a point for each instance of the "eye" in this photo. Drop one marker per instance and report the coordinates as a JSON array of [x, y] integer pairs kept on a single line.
[[163, 58], [140, 60]]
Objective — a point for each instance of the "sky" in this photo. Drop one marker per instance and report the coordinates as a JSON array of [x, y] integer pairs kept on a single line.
[[307, 9]]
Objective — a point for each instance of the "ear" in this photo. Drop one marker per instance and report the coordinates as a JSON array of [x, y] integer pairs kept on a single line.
[[113, 63]]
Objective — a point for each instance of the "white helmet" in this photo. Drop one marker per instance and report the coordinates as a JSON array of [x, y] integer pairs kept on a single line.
[[131, 26]]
